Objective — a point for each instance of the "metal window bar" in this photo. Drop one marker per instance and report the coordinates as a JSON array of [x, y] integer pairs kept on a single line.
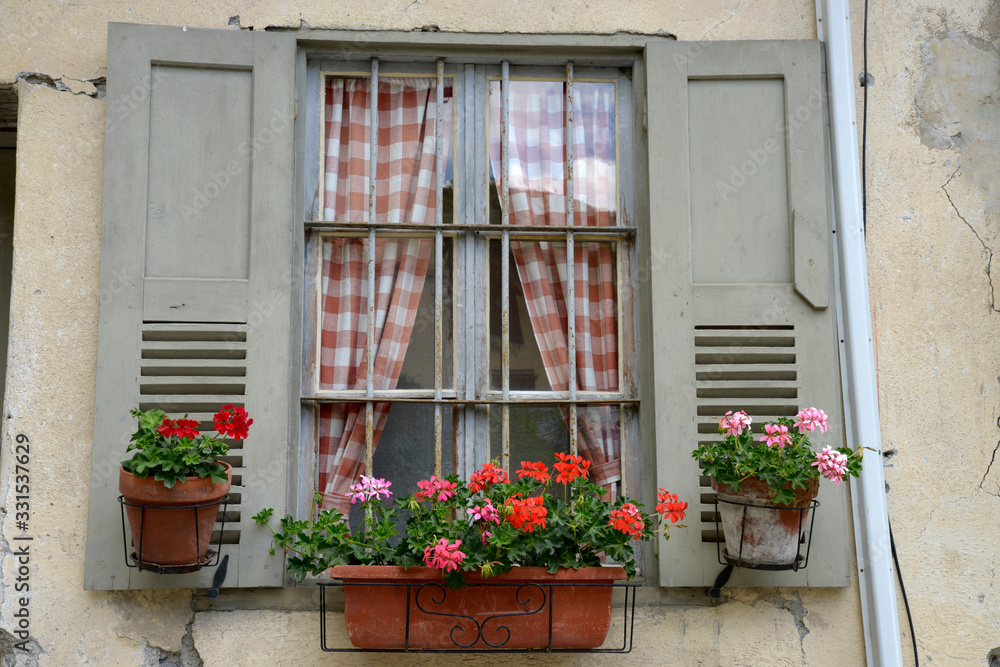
[[548, 232], [438, 262], [548, 603], [570, 261], [372, 188], [505, 263], [517, 400]]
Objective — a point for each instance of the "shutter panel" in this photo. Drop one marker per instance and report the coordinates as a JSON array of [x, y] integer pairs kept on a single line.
[[741, 221], [196, 272]]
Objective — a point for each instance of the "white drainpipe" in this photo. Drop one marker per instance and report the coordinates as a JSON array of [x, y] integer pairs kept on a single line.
[[871, 524]]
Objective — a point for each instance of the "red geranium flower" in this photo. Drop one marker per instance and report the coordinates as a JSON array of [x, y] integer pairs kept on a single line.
[[233, 421], [183, 428], [528, 513], [628, 520], [570, 467], [536, 471], [489, 475], [670, 507]]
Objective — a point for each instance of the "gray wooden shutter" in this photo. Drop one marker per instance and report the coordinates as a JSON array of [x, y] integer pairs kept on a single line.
[[196, 272], [742, 290]]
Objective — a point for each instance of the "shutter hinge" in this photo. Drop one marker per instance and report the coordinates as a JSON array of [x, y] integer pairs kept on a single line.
[[645, 127], [296, 115]]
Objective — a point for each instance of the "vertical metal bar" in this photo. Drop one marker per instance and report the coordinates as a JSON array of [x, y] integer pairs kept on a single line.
[[439, 160], [570, 262], [505, 262], [370, 341], [622, 448]]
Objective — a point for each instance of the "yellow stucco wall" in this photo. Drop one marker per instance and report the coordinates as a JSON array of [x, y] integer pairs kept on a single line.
[[932, 228]]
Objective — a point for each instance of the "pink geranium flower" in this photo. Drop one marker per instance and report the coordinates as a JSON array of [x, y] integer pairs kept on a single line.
[[831, 464], [487, 513], [444, 555], [369, 488], [811, 419], [734, 423], [776, 435], [435, 488]]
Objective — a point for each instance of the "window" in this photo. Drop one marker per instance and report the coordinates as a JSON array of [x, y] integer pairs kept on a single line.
[[476, 312], [706, 268]]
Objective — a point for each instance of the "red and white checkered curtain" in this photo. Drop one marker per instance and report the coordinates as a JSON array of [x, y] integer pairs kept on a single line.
[[405, 192], [538, 197]]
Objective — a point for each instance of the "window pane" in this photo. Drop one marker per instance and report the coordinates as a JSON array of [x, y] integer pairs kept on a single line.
[[404, 454], [406, 173], [536, 433], [539, 331], [598, 439], [404, 314], [537, 152], [527, 369]]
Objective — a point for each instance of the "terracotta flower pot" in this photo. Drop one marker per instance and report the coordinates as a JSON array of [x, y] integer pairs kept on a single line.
[[172, 537], [770, 537], [480, 617]]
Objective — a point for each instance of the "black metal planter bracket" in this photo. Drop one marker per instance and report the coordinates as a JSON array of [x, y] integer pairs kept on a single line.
[[134, 559], [436, 592]]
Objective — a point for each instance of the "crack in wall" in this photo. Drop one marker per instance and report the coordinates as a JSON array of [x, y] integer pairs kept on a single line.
[[188, 656], [990, 466], [83, 86], [732, 15], [986, 247], [798, 610]]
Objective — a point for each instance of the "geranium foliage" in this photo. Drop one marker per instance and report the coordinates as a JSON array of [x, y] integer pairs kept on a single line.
[[489, 525], [780, 454], [171, 450]]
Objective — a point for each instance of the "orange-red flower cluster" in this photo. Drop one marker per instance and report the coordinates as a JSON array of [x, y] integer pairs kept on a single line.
[[528, 513], [628, 520], [536, 471], [570, 467], [183, 428], [490, 474], [670, 507], [233, 421]]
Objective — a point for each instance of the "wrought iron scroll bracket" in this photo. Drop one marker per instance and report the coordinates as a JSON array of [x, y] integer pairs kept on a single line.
[[533, 598]]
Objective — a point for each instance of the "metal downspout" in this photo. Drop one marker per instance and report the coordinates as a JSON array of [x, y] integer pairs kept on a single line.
[[876, 574]]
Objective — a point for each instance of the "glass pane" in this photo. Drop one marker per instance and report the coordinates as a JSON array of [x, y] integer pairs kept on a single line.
[[527, 369], [537, 153], [598, 439], [536, 434], [539, 329], [418, 365], [595, 172], [404, 454], [404, 313], [406, 172]]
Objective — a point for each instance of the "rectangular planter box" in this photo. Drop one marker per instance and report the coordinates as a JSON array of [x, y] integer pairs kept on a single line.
[[389, 607]]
